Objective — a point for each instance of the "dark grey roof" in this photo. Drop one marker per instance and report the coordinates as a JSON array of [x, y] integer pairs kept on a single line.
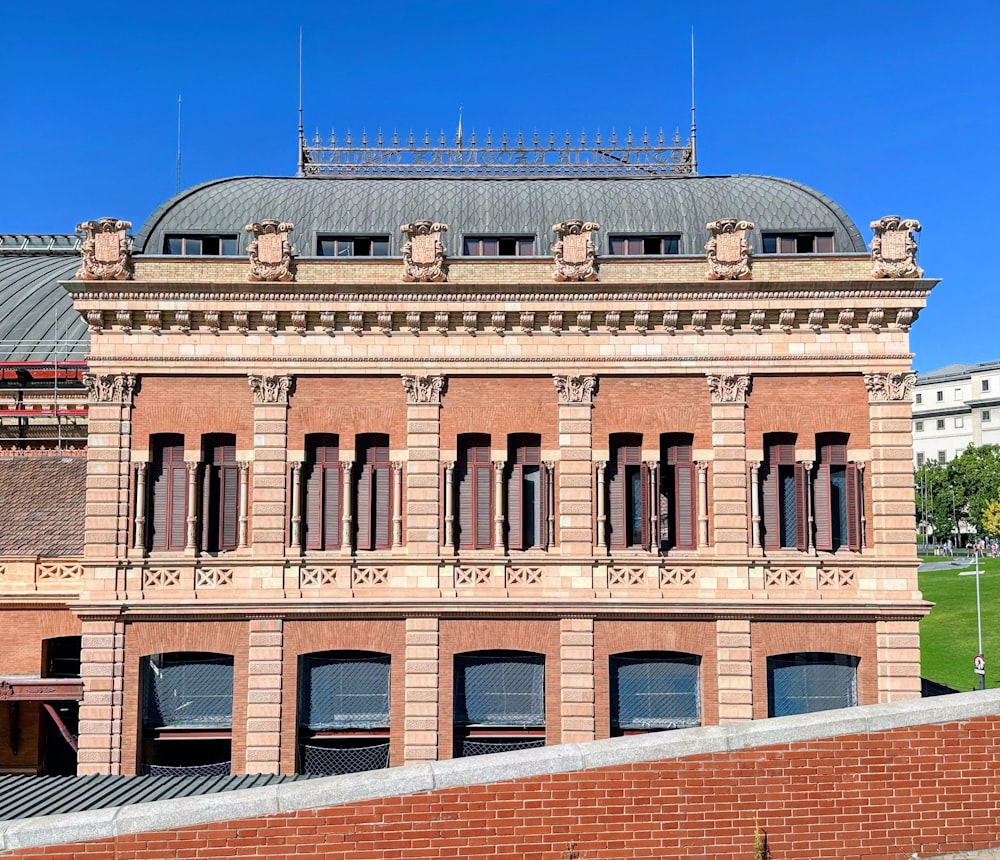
[[34, 796], [476, 206], [37, 319], [43, 499]]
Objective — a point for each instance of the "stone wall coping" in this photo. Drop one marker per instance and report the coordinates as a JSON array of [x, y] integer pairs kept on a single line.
[[333, 791]]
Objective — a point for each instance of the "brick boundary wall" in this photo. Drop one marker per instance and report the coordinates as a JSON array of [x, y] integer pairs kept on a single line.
[[910, 779]]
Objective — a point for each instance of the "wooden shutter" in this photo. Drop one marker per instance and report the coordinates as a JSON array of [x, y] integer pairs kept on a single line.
[[644, 502], [855, 503], [515, 515], [769, 484], [801, 507], [464, 491], [229, 485], [684, 505], [314, 506], [382, 505], [363, 508], [159, 501], [616, 505], [823, 508], [208, 507], [543, 506], [177, 531], [330, 511], [484, 510]]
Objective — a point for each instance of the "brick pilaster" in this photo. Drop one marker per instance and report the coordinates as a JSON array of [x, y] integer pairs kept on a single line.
[[732, 642], [264, 695], [898, 644], [575, 487], [269, 469], [576, 681], [102, 667], [420, 702]]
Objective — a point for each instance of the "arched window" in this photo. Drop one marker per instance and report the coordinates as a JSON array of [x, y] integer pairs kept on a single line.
[[323, 482], [810, 681], [187, 713], [527, 493], [654, 690], [499, 701], [373, 501], [343, 712], [220, 503], [167, 511], [837, 494], [628, 493], [678, 504], [474, 489], [784, 494]]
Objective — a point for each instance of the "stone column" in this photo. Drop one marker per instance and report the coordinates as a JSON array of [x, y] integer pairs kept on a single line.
[[891, 528], [193, 472], [810, 514], [729, 465], [550, 502], [576, 682], [735, 674], [102, 668], [653, 491], [602, 517], [576, 405], [756, 540], [420, 706], [141, 469], [296, 535], [397, 504], [265, 657], [898, 644], [702, 466], [109, 494], [423, 439], [498, 542], [244, 466], [449, 505], [347, 506], [270, 431]]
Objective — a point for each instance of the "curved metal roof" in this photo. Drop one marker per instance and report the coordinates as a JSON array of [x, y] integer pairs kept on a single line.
[[481, 206], [37, 318]]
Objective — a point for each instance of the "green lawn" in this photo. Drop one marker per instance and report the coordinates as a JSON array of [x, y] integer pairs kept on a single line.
[[948, 634]]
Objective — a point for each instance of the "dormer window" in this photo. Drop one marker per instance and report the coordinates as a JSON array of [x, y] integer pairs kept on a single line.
[[797, 243], [643, 246], [197, 246], [499, 246], [352, 246]]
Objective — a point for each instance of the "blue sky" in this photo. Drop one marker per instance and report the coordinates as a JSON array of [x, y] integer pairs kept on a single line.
[[887, 108]]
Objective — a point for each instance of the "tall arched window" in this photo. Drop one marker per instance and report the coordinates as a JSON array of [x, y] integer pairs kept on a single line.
[[474, 489], [628, 493], [837, 494], [167, 513], [373, 488], [220, 503], [784, 494], [678, 503], [323, 483], [527, 493]]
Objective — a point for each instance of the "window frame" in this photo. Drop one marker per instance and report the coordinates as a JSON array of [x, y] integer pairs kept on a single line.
[[220, 493], [474, 492], [476, 245], [524, 453], [322, 490], [185, 238], [794, 242], [677, 497], [805, 659], [167, 494], [652, 722], [372, 493], [627, 493], [638, 244], [356, 244], [918, 427], [783, 489], [837, 495]]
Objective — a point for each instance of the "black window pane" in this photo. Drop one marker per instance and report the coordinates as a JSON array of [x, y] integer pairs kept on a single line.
[[770, 244], [174, 245], [380, 247], [652, 245], [671, 245], [804, 244]]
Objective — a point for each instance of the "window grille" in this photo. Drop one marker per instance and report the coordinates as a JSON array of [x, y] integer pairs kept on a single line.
[[807, 682], [486, 747], [221, 768], [345, 692], [331, 761], [500, 690], [655, 692], [188, 691]]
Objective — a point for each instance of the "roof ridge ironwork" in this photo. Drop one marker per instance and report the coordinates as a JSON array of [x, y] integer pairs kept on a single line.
[[505, 156]]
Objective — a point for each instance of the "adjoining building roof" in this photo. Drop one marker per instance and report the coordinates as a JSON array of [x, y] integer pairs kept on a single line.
[[37, 318], [958, 370], [43, 500], [504, 206]]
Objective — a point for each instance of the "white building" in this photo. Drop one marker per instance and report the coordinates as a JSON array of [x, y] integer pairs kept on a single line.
[[954, 407]]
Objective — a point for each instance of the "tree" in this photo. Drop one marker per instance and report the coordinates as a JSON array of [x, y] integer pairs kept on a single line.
[[991, 518], [975, 481], [935, 499]]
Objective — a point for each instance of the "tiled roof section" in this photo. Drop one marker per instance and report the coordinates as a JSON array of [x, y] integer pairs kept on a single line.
[[37, 319], [477, 206], [42, 499]]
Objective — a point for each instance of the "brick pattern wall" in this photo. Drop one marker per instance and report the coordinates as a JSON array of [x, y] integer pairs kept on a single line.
[[921, 790]]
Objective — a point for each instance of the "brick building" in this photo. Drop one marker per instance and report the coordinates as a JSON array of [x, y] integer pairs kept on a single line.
[[480, 482]]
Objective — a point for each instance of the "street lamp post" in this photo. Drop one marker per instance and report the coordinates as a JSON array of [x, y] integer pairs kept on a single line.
[[980, 672]]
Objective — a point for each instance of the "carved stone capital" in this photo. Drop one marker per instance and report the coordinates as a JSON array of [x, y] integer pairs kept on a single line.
[[270, 251], [702, 467], [727, 388], [888, 387], [424, 389], [271, 389], [106, 250], [110, 387], [894, 249], [423, 253], [574, 252], [576, 389], [728, 250]]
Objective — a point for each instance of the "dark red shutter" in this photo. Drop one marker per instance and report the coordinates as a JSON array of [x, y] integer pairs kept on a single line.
[[855, 503], [208, 507], [464, 490], [364, 508], [684, 505], [314, 506], [644, 503], [382, 506], [158, 506], [801, 507], [616, 505], [333, 480], [484, 510], [543, 506], [769, 484], [229, 485], [515, 515], [177, 531], [822, 507]]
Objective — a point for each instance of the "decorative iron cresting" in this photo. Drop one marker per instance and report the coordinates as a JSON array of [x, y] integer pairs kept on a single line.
[[506, 156]]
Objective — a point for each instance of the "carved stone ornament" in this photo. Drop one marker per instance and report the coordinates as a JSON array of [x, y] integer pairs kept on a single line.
[[423, 253], [728, 250], [576, 257], [576, 389], [424, 389], [894, 250], [270, 389], [110, 387], [270, 251], [728, 321], [6, 691], [904, 318], [757, 319], [106, 250], [887, 387], [670, 322], [729, 388], [816, 317]]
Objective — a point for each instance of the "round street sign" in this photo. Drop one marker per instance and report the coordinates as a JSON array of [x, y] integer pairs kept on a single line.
[[979, 664]]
